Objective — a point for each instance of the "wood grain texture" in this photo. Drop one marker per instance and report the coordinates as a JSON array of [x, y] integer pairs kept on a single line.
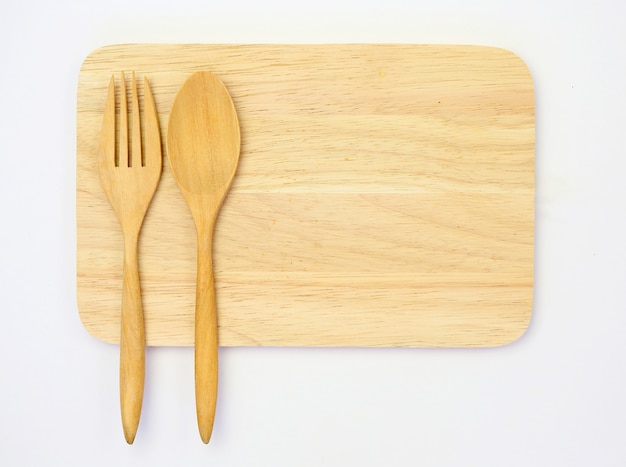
[[384, 197]]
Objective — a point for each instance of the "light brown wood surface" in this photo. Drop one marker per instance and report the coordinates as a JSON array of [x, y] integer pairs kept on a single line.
[[203, 145], [384, 197]]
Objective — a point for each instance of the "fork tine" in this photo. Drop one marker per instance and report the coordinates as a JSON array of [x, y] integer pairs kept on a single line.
[[123, 157], [136, 159], [107, 138], [152, 146]]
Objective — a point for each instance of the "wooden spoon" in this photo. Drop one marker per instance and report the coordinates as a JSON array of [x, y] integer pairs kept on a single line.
[[203, 143]]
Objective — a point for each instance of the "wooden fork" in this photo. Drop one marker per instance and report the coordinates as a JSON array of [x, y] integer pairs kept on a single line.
[[130, 177]]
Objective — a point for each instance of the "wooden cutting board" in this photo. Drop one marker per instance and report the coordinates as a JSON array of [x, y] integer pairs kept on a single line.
[[384, 197]]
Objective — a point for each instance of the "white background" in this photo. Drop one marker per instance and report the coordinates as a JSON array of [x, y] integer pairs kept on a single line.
[[556, 397]]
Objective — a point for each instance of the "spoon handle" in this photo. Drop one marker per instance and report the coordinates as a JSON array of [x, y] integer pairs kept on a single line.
[[205, 337]]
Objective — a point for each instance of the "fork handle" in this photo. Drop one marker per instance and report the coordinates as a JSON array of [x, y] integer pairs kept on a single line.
[[132, 343], [206, 339]]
